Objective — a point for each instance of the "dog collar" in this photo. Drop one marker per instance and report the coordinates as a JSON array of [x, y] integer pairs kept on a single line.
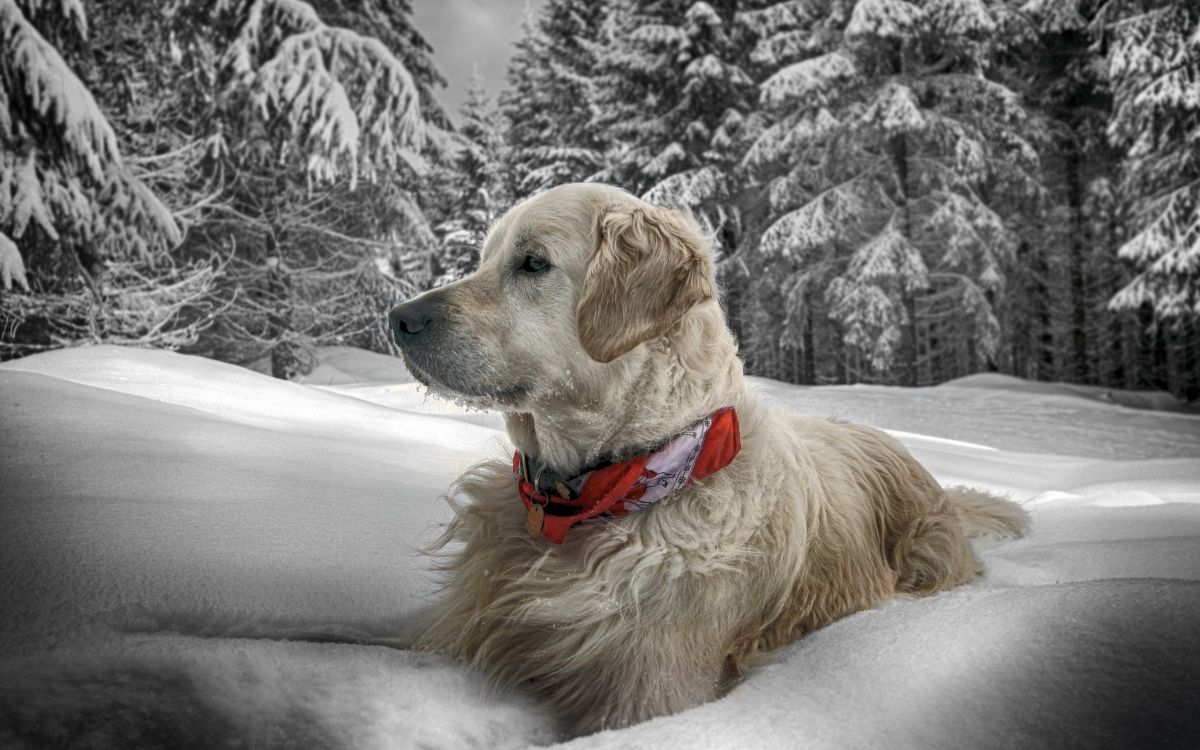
[[554, 504]]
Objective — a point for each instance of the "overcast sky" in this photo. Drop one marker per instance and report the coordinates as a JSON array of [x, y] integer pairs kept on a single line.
[[467, 32]]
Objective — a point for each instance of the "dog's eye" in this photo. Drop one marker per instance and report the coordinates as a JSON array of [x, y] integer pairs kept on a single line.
[[534, 264]]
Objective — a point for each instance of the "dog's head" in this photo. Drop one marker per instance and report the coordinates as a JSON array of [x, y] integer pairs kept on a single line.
[[571, 283]]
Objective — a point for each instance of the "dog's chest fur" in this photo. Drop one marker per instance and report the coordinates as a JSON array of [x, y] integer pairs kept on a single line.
[[664, 604]]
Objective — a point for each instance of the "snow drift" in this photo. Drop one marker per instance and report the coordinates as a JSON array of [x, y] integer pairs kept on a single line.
[[189, 551]]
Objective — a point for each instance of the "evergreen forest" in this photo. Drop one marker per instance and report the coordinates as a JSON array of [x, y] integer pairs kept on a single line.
[[896, 191]]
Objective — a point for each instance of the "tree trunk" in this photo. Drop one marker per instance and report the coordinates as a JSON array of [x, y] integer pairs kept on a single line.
[[900, 164], [1043, 361], [913, 341], [1079, 371], [810, 352], [1184, 358], [284, 364]]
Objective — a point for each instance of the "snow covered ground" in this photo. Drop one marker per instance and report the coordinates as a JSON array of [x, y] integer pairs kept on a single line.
[[179, 538]]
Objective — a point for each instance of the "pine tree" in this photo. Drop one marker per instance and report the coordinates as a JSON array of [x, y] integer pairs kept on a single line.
[[389, 22], [312, 135], [673, 98], [96, 239], [471, 187], [550, 104], [335, 103], [900, 145], [1154, 69], [1153, 65], [1053, 309]]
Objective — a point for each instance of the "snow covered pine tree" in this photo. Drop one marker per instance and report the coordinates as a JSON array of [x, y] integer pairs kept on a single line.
[[1154, 68], [469, 186], [549, 106], [899, 145], [80, 233], [673, 97], [311, 142]]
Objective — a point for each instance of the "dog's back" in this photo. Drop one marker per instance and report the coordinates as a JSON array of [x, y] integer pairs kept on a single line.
[[874, 523]]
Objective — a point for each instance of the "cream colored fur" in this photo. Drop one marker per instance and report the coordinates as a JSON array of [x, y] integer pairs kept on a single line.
[[660, 610]]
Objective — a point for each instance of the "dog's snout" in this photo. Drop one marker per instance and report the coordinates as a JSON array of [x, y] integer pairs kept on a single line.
[[410, 318]]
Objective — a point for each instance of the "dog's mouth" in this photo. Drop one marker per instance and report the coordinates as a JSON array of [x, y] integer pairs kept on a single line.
[[467, 394]]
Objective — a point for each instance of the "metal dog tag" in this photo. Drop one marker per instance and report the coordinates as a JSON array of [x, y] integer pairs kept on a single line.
[[533, 522]]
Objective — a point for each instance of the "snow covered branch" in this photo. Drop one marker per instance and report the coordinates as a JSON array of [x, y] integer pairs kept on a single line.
[[348, 104], [60, 166]]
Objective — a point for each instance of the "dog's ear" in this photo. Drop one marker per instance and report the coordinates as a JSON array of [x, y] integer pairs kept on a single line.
[[648, 269]]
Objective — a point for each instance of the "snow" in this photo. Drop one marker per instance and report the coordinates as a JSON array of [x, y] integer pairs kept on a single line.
[[303, 79], [12, 267], [347, 365], [883, 18], [190, 551], [895, 110], [962, 17], [702, 14], [1137, 399], [819, 221], [807, 80]]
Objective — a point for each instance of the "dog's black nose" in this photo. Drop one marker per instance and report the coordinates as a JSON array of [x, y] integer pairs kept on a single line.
[[410, 318]]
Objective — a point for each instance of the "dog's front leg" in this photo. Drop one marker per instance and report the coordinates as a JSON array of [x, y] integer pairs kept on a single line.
[[653, 671]]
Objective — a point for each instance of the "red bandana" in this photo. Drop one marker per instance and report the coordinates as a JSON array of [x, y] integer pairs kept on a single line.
[[558, 504]]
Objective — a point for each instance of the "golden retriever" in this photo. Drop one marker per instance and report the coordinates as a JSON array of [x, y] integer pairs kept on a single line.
[[593, 323]]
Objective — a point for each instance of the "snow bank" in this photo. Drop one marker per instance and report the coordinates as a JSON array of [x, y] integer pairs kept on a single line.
[[182, 540], [1160, 400], [345, 365], [1040, 418]]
